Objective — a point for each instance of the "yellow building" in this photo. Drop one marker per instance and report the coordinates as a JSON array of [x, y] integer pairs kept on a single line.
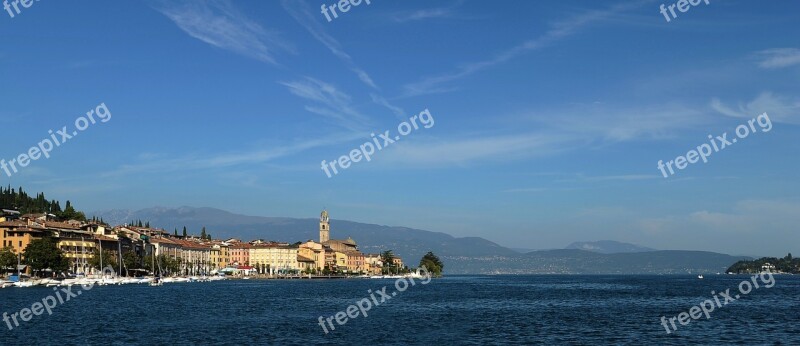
[[340, 260], [215, 255], [18, 234], [276, 258], [314, 251], [78, 249]]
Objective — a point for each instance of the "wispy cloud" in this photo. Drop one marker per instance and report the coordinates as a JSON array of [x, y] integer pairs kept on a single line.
[[427, 152], [246, 158], [300, 11], [428, 13], [780, 109], [330, 102], [778, 58], [220, 24], [619, 124], [557, 31], [628, 177], [399, 112], [553, 132]]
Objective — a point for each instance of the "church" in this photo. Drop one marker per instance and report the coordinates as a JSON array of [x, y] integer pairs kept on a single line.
[[345, 246]]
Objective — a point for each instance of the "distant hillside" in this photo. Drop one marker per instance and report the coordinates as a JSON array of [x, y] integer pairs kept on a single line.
[[570, 261], [608, 247], [469, 255]]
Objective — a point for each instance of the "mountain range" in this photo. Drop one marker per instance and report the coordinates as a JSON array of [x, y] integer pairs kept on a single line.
[[467, 255]]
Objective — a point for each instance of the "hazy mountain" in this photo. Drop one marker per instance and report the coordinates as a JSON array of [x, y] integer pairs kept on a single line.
[[470, 255], [608, 247], [569, 261]]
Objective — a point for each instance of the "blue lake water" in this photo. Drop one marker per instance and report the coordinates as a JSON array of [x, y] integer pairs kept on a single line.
[[460, 310]]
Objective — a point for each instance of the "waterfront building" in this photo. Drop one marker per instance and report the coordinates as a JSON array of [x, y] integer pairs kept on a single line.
[[240, 253], [374, 263], [314, 251], [276, 258], [77, 246], [17, 234], [195, 258], [306, 263], [355, 262]]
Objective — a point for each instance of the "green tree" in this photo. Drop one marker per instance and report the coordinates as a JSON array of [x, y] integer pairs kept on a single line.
[[70, 213], [203, 233], [44, 254], [8, 259], [109, 259], [432, 263], [184, 231], [387, 258], [131, 261]]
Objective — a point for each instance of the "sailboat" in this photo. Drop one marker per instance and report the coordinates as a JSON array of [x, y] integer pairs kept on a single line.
[[156, 279]]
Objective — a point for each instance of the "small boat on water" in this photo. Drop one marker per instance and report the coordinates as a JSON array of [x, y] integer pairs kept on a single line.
[[156, 282], [700, 276]]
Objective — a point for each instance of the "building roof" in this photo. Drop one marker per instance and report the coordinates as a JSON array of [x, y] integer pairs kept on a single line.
[[13, 223], [60, 225], [304, 259]]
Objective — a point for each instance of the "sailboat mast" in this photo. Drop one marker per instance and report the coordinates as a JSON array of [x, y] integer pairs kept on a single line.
[[119, 252], [101, 253]]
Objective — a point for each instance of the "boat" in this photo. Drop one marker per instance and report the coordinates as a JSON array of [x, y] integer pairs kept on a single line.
[[156, 282], [700, 276]]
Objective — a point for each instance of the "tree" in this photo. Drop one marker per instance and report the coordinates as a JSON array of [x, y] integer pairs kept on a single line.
[[432, 263], [70, 213], [109, 259], [184, 231], [8, 258], [203, 233], [131, 261], [387, 257], [176, 232], [44, 254]]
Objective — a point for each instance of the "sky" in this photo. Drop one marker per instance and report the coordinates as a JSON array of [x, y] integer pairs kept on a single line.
[[546, 120]]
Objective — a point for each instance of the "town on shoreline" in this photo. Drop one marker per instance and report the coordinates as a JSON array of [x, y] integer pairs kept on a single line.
[[50, 246]]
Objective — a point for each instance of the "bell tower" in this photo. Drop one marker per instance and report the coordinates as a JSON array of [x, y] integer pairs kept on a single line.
[[324, 227]]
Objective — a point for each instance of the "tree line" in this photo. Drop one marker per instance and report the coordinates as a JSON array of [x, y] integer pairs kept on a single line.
[[787, 264], [20, 200]]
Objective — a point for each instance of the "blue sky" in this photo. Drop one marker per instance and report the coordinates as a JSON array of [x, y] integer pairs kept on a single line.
[[550, 116]]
